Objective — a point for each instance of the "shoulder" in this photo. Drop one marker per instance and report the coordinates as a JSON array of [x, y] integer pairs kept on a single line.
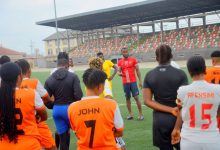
[[132, 59], [216, 87], [178, 71], [183, 88], [151, 72], [110, 102], [73, 105]]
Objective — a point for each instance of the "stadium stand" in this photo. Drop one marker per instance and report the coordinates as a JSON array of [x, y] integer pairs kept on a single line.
[[199, 37]]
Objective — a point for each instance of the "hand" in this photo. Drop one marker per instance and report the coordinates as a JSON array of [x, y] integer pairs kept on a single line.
[[179, 103], [110, 78], [120, 74], [175, 111], [175, 136], [140, 85], [38, 118]]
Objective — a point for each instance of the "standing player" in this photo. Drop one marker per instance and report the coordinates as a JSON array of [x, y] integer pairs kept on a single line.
[[127, 68], [63, 55], [213, 73], [18, 107], [200, 102], [162, 83], [97, 63], [65, 87], [107, 66], [96, 121], [47, 140]]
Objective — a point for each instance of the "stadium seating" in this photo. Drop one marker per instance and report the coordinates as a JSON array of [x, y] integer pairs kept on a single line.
[[195, 38]]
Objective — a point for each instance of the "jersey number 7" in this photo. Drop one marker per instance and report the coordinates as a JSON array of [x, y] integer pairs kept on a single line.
[[91, 124], [204, 116]]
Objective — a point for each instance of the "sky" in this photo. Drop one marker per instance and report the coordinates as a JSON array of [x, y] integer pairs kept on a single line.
[[18, 19]]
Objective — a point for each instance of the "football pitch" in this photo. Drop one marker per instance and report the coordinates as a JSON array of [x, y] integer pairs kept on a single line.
[[137, 134]]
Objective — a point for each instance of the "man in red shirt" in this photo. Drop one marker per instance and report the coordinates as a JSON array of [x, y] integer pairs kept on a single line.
[[127, 67]]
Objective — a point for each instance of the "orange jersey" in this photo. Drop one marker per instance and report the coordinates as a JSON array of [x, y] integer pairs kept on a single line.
[[47, 139], [94, 119], [34, 84], [213, 75], [26, 103], [25, 111]]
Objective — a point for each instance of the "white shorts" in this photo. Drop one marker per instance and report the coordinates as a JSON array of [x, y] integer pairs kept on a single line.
[[120, 142], [189, 145]]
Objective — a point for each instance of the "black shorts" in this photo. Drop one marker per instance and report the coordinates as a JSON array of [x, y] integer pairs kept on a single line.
[[163, 124], [131, 88]]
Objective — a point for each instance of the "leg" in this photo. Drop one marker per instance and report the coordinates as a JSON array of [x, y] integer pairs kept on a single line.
[[128, 101], [166, 147], [135, 93], [64, 140], [138, 102], [62, 125], [57, 139]]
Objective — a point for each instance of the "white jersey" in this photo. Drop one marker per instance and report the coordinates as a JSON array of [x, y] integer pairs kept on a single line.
[[200, 101]]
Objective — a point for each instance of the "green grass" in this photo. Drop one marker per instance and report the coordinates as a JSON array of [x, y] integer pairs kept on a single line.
[[137, 134]]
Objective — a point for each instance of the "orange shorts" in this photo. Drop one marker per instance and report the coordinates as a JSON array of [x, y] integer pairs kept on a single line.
[[47, 140], [24, 143]]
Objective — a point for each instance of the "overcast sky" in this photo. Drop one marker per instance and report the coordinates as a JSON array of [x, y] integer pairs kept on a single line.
[[18, 18]]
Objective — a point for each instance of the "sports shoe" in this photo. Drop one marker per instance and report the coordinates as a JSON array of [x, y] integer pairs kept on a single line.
[[130, 117], [141, 117]]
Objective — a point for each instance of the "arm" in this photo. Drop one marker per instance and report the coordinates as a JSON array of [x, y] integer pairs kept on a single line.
[[139, 76], [40, 108], [118, 123], [175, 135], [115, 71], [119, 71], [147, 94], [77, 88]]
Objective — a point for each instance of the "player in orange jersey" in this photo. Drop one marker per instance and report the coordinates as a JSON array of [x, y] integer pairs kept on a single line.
[[47, 140], [213, 73], [97, 63], [18, 106], [96, 121]]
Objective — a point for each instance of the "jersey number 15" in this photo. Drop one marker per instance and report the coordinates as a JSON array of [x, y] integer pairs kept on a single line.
[[204, 116]]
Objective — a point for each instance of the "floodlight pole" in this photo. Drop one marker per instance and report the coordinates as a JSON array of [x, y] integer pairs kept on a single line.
[[55, 12]]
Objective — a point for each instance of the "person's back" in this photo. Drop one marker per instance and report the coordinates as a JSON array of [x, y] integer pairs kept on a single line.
[[96, 121], [213, 75], [64, 86], [200, 96], [93, 120], [164, 81], [25, 103]]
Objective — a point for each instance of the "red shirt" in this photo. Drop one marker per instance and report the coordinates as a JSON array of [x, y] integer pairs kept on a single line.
[[128, 69]]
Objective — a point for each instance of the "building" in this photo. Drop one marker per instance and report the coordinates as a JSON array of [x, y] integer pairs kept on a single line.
[[14, 55], [67, 41]]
